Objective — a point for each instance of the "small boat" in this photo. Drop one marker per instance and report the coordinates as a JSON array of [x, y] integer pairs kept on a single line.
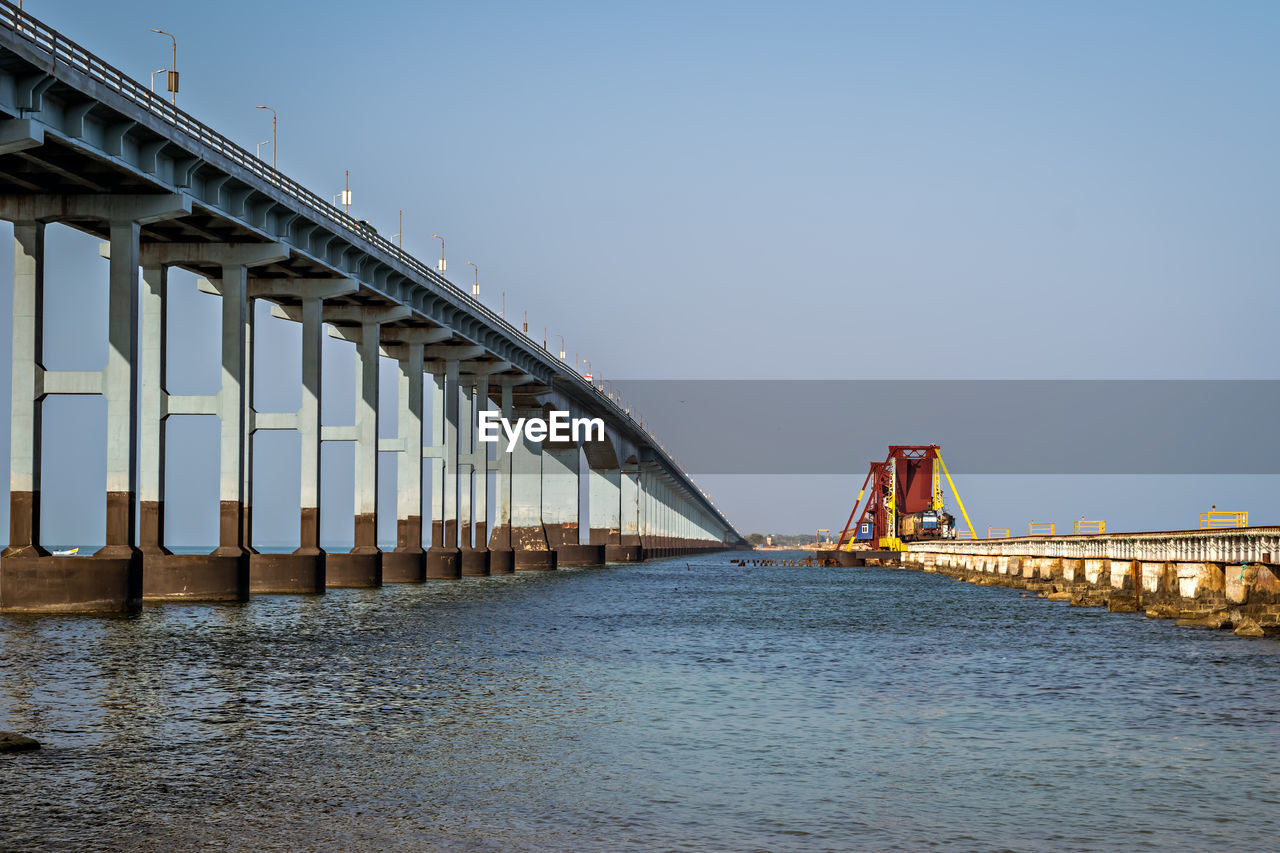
[[66, 552]]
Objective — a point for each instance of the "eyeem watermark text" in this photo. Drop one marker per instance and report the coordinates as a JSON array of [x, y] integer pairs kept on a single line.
[[559, 427]]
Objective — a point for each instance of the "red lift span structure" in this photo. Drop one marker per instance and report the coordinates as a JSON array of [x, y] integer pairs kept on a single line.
[[905, 501]]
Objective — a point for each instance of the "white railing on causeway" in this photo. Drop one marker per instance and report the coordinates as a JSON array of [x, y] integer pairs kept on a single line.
[[63, 50], [1248, 545]]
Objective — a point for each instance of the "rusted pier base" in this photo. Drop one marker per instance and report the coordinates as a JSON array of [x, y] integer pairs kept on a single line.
[[195, 577], [289, 574], [70, 584], [354, 569]]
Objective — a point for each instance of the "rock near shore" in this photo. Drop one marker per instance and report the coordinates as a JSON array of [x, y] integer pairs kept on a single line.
[[14, 742]]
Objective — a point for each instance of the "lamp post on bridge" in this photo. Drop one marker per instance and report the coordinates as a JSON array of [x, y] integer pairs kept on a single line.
[[172, 82], [561, 337], [273, 133], [475, 288], [260, 144], [441, 266], [345, 195]]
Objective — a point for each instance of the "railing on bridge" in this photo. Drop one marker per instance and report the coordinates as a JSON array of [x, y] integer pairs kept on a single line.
[[1086, 527], [997, 533], [1216, 519], [1040, 528], [964, 534]]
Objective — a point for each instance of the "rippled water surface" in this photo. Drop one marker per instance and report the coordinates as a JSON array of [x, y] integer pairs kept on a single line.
[[688, 705]]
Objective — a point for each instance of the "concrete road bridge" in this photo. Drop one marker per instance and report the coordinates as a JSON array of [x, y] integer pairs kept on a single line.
[[84, 145]]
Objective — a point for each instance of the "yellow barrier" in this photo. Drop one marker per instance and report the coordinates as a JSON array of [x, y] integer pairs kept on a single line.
[[1089, 528], [1040, 528], [965, 534], [1217, 519], [997, 533]]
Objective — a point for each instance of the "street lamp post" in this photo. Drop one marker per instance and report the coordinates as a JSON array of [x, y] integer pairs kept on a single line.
[[173, 73], [561, 337], [260, 144], [273, 134], [345, 195], [475, 288], [440, 267]]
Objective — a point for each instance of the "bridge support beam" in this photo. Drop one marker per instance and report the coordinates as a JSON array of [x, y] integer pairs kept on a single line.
[[533, 553], [303, 570], [560, 507], [111, 579], [408, 562], [222, 575], [475, 480], [501, 552], [362, 565], [628, 549], [444, 558]]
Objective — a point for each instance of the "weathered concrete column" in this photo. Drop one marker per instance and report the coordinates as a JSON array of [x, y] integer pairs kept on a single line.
[[444, 557], [466, 471], [110, 580], [528, 537], [501, 554], [28, 355], [222, 575], [309, 429], [475, 560], [120, 387], [151, 464], [408, 562], [560, 506], [628, 549], [303, 570], [362, 565], [604, 505]]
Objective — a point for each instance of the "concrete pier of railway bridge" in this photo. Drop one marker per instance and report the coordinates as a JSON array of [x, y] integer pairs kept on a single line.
[[83, 145]]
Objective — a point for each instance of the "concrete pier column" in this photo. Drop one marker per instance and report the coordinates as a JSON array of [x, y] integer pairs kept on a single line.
[[153, 351], [231, 411], [475, 561], [408, 562], [466, 477], [222, 575], [120, 387], [560, 506], [501, 554], [303, 570], [362, 565], [628, 549], [110, 579], [25, 429], [604, 502], [444, 559], [644, 512], [528, 537]]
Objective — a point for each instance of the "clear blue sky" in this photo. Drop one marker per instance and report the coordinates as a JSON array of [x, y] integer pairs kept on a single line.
[[751, 190]]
